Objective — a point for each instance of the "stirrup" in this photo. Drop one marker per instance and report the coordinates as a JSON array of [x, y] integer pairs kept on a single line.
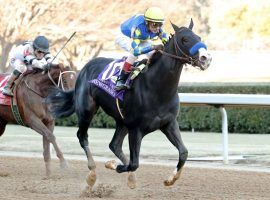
[[121, 87], [10, 94]]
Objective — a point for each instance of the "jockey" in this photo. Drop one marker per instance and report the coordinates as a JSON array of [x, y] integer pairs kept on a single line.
[[137, 36], [31, 53]]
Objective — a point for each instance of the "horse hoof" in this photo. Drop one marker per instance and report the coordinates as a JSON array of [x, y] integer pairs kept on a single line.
[[48, 173], [121, 168], [91, 178], [175, 176], [48, 168], [111, 164], [63, 165], [169, 182], [131, 180]]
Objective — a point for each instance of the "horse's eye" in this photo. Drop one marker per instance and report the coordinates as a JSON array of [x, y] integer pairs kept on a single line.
[[184, 40]]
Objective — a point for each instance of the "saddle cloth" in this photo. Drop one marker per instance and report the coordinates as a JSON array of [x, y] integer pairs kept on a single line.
[[106, 80], [4, 100]]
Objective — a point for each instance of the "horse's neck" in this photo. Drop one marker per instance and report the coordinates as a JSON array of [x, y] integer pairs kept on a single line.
[[165, 72], [39, 82]]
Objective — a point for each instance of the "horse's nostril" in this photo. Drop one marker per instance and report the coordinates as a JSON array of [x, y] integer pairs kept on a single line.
[[203, 58]]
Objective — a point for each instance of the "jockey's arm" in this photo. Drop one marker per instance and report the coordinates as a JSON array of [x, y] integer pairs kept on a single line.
[[49, 58], [163, 36], [32, 60], [137, 49]]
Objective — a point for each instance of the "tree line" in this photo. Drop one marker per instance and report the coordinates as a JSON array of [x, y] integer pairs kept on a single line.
[[241, 25]]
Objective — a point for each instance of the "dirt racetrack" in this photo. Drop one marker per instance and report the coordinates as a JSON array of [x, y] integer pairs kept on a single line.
[[24, 179]]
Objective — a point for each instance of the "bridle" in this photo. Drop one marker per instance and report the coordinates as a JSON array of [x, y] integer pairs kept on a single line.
[[188, 59], [61, 82]]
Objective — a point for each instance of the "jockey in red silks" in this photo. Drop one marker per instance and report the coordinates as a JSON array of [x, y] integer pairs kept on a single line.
[[31, 53], [137, 36]]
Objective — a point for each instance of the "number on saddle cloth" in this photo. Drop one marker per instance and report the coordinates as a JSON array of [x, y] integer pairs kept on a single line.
[[106, 80], [111, 71]]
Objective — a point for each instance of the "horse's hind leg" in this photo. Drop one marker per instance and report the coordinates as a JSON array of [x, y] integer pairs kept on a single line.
[[172, 132], [85, 112], [3, 124], [117, 143], [116, 147]]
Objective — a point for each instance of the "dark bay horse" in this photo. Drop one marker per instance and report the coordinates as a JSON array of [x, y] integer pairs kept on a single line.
[[30, 93], [152, 103]]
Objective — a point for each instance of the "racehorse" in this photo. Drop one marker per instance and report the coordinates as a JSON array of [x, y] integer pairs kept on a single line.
[[152, 103], [29, 97]]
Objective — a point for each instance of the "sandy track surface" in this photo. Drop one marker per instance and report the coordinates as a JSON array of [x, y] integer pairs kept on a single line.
[[24, 179]]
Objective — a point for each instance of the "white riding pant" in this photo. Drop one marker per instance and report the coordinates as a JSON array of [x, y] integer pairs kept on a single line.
[[125, 43], [18, 65]]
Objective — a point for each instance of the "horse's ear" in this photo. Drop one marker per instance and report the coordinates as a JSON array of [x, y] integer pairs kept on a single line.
[[176, 28], [191, 24]]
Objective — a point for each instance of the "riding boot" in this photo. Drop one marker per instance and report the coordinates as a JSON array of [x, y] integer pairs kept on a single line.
[[7, 90], [121, 81]]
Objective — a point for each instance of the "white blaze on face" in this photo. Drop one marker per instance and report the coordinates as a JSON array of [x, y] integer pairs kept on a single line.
[[204, 58]]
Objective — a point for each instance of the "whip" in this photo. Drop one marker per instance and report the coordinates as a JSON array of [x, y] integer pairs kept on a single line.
[[63, 46]]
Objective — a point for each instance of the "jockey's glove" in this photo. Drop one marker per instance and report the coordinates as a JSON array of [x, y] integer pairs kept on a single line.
[[37, 64], [158, 47], [52, 61], [46, 67]]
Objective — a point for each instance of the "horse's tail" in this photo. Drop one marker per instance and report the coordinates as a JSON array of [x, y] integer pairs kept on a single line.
[[61, 103]]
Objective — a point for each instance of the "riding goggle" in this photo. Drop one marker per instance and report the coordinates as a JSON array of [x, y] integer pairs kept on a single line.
[[39, 52], [156, 24]]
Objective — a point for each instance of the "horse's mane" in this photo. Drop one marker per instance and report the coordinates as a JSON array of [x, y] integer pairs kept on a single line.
[[33, 71], [157, 54]]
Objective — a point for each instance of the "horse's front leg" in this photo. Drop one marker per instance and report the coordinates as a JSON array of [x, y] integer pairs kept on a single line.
[[48, 137], [59, 154], [135, 139], [47, 155], [172, 132]]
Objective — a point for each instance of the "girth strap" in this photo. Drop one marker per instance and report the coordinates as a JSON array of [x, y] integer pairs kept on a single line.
[[119, 109], [14, 106], [16, 113]]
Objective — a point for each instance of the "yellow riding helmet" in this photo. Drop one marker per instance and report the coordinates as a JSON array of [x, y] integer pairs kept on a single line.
[[154, 14]]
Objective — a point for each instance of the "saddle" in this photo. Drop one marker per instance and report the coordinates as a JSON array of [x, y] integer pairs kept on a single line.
[[11, 101], [4, 100], [106, 80]]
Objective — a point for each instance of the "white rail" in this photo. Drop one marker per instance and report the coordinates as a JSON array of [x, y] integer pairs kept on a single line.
[[221, 101]]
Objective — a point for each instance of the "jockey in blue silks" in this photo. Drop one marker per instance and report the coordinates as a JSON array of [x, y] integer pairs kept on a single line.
[[137, 36]]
